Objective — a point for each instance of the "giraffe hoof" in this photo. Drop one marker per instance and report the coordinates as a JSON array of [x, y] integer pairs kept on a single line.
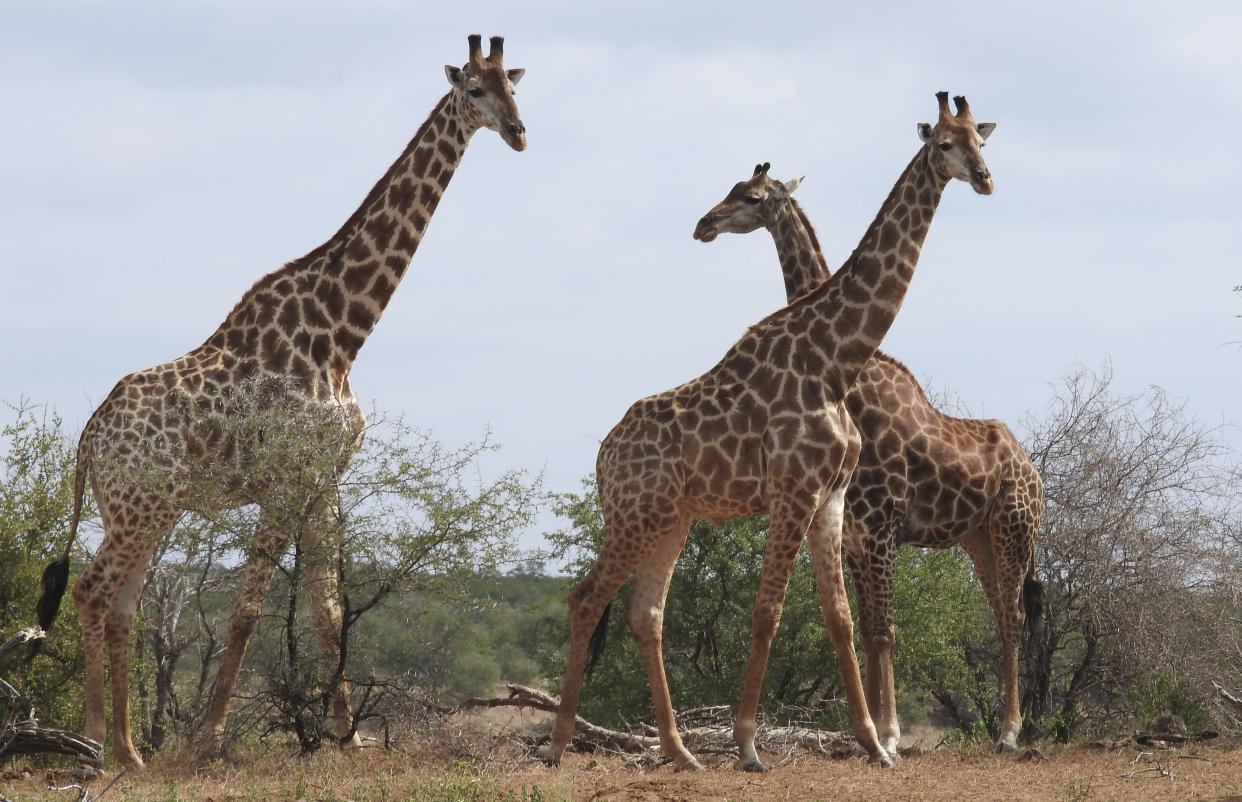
[[85, 771], [1006, 746], [687, 764], [548, 757], [752, 765], [885, 760]]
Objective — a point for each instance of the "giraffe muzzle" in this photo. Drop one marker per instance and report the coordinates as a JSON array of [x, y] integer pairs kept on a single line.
[[514, 133], [981, 181], [705, 231]]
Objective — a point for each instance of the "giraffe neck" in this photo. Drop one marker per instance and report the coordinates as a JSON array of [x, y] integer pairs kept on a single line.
[[861, 300], [310, 318], [797, 247]]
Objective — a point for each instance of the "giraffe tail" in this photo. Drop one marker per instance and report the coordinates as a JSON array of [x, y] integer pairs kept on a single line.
[[1032, 598], [596, 648], [56, 575]]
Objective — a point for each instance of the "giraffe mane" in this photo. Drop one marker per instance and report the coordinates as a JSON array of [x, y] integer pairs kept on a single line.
[[337, 240], [810, 230]]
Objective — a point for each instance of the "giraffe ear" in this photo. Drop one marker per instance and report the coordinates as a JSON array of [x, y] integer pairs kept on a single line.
[[925, 132], [455, 75], [792, 184], [515, 75], [985, 129]]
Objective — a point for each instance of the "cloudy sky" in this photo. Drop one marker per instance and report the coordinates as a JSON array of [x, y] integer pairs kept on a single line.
[[156, 158]]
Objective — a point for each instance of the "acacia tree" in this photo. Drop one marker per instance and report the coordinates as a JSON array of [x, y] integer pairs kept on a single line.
[[36, 500], [1140, 579], [405, 514]]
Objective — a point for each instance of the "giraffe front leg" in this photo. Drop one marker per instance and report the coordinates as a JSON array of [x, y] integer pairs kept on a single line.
[[270, 544], [784, 539], [825, 542]]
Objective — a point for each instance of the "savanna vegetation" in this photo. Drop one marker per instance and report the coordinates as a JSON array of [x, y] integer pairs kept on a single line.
[[1140, 555]]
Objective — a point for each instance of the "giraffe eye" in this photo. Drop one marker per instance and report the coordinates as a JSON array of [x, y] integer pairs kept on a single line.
[[475, 92], [752, 199], [945, 146]]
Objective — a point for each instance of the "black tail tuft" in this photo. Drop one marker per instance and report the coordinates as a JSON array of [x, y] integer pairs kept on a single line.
[[596, 649], [1032, 600], [55, 580]]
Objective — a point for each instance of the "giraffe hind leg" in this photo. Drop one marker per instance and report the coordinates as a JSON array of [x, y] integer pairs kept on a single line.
[[1002, 580], [645, 616], [106, 597], [587, 602], [628, 543], [873, 585], [118, 626], [322, 548]]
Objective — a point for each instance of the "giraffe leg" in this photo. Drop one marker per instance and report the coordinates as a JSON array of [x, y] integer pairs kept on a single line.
[[1002, 583], [118, 625], [873, 586], [785, 534], [645, 615], [322, 541], [825, 543], [90, 595], [586, 605], [270, 544], [111, 584]]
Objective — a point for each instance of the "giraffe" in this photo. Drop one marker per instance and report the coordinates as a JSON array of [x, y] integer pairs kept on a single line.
[[294, 335], [923, 478], [765, 430]]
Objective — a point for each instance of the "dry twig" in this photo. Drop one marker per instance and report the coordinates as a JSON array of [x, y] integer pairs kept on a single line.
[[713, 735]]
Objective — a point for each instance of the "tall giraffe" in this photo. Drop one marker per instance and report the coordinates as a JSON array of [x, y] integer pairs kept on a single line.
[[295, 336], [923, 478], [765, 430]]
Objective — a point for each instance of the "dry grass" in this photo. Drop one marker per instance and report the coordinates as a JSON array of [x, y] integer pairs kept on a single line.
[[470, 761]]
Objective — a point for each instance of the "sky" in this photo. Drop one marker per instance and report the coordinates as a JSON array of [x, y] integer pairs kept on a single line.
[[156, 158]]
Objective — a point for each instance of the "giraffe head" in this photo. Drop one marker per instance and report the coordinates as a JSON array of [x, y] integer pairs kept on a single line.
[[751, 204], [486, 90], [954, 143]]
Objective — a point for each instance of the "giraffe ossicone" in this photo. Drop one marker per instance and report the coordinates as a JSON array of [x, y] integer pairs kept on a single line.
[[281, 359], [923, 478], [765, 430]]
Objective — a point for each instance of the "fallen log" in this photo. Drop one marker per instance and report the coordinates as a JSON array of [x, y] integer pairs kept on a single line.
[[1233, 702], [28, 738], [716, 736], [20, 639], [1165, 738], [24, 736]]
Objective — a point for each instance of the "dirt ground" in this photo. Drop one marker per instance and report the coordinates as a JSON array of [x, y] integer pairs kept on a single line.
[[1212, 773], [1079, 774]]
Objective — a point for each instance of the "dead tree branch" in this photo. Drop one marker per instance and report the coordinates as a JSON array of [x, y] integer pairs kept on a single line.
[[20, 639], [22, 735], [714, 735]]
